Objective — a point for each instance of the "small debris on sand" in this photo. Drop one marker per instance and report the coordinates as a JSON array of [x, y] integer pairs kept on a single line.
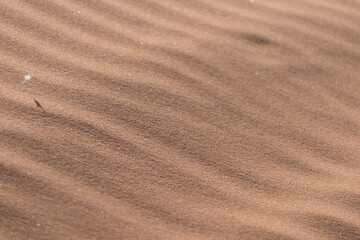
[[38, 105], [27, 78]]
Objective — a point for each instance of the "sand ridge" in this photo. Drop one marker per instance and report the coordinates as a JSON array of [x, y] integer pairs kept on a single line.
[[168, 119]]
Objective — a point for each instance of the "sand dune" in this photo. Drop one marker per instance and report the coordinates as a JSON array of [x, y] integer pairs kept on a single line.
[[168, 119]]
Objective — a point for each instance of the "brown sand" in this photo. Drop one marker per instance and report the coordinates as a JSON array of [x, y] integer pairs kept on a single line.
[[168, 119]]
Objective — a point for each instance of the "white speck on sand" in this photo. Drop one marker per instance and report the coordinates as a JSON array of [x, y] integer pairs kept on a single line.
[[78, 12], [26, 78]]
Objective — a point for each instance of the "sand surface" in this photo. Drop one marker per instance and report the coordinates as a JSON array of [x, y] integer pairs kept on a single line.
[[170, 119]]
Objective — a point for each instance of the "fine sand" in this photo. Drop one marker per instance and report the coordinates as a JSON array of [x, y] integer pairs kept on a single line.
[[180, 119]]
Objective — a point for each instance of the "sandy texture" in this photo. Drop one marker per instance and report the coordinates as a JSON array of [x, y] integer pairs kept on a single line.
[[170, 119]]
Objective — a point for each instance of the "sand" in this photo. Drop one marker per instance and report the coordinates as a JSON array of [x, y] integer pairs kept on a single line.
[[165, 119]]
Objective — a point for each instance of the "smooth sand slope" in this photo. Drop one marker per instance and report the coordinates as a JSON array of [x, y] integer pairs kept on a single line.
[[169, 119]]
